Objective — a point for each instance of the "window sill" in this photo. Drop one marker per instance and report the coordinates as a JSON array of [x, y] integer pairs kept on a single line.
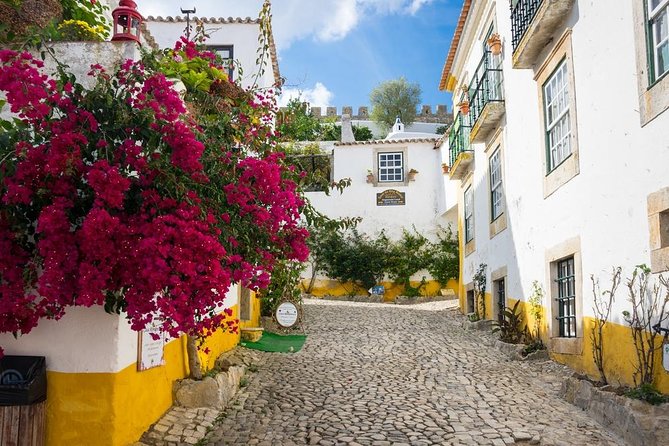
[[562, 174], [498, 225], [470, 247], [390, 183], [566, 346]]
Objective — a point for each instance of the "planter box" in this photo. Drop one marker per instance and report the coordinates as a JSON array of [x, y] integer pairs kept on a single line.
[[637, 422]]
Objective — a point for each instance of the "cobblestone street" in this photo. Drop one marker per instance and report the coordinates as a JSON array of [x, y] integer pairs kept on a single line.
[[390, 375]]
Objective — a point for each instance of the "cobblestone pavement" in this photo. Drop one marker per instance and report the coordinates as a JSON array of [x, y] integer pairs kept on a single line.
[[383, 375]]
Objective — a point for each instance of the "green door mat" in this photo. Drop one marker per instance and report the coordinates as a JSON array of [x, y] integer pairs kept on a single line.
[[271, 342]]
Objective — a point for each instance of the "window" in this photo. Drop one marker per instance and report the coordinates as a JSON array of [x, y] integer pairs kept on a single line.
[[496, 190], [556, 111], [500, 295], [658, 30], [469, 215], [226, 52], [566, 298], [391, 167]]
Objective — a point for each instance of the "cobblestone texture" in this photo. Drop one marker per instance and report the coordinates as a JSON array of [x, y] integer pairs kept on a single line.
[[373, 374]]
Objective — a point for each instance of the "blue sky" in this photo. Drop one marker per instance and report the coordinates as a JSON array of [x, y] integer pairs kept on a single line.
[[334, 52]]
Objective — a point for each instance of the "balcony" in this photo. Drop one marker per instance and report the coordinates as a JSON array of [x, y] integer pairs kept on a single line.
[[486, 97], [461, 155], [533, 23]]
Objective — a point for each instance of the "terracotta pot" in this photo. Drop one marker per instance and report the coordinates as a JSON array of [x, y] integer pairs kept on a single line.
[[464, 107], [370, 178], [495, 44], [445, 168]]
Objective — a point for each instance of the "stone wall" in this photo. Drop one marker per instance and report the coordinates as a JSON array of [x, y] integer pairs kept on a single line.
[[425, 114]]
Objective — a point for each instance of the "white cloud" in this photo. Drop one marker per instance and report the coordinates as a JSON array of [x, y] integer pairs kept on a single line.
[[324, 20], [319, 96]]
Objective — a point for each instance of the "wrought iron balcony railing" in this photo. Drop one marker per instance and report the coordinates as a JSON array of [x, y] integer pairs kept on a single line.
[[458, 138], [522, 14], [486, 85]]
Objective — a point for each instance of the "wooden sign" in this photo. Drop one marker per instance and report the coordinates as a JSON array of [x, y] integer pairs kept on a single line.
[[390, 197], [150, 352]]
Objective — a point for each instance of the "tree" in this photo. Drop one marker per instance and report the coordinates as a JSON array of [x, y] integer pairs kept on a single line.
[[297, 124], [395, 98], [332, 132]]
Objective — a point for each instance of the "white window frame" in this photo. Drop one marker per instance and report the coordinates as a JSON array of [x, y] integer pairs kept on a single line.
[[469, 214], [397, 176], [496, 186], [556, 115], [654, 14]]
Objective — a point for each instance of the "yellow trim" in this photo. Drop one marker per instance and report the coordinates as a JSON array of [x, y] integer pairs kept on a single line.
[[619, 352], [114, 409], [328, 287]]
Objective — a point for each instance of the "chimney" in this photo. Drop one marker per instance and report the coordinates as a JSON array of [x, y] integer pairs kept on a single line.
[[346, 129]]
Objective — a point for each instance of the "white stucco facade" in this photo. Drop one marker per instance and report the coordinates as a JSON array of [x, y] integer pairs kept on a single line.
[[240, 34], [596, 202]]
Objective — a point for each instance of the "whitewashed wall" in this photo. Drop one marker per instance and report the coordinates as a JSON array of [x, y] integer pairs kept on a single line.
[[243, 36], [620, 162], [359, 200]]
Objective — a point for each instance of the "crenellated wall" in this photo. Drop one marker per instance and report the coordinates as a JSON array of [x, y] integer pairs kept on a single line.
[[426, 113]]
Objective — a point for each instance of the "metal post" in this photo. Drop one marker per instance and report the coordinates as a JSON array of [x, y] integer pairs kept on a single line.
[[188, 12]]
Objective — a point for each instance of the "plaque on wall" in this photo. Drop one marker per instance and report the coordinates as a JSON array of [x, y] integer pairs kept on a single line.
[[286, 314], [390, 197], [151, 351]]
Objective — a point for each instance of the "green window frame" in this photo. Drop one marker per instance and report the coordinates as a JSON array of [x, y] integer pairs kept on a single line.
[[657, 31], [496, 186], [566, 298], [557, 116], [469, 215]]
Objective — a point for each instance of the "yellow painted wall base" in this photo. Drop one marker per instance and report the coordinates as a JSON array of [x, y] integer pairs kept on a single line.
[[328, 287], [114, 409], [619, 352]]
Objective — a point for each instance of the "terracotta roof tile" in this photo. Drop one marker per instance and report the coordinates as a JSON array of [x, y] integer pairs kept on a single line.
[[387, 141], [444, 83]]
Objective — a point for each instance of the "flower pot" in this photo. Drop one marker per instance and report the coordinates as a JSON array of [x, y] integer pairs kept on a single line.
[[445, 168], [370, 178], [495, 44], [464, 107]]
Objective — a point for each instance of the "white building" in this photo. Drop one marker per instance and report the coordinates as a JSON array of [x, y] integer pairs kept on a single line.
[[396, 184], [562, 159], [235, 39]]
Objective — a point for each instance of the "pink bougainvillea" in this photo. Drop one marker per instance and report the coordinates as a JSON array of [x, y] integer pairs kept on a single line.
[[120, 196]]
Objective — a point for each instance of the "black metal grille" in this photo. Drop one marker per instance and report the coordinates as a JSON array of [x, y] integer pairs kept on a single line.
[[522, 14], [318, 168], [566, 299], [486, 85]]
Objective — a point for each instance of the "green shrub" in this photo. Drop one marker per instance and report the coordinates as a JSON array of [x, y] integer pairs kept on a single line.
[[649, 394]]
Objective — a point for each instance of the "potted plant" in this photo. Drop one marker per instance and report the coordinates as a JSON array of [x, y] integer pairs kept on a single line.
[[463, 105], [412, 175], [370, 177], [495, 44], [445, 168]]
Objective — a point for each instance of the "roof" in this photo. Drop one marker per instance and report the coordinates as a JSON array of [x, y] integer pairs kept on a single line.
[[447, 81], [387, 141], [218, 21]]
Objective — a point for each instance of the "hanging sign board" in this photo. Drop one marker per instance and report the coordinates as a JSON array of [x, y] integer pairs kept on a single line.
[[390, 197], [150, 350], [286, 314]]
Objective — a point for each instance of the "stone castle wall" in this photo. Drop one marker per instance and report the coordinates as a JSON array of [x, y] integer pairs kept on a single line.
[[425, 114]]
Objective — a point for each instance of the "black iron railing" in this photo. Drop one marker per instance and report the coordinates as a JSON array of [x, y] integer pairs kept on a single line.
[[522, 14], [485, 86], [318, 168], [458, 138]]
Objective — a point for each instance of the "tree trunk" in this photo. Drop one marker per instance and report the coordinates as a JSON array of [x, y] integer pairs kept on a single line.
[[193, 358]]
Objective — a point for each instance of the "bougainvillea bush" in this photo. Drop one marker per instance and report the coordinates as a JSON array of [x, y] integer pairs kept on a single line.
[[129, 197]]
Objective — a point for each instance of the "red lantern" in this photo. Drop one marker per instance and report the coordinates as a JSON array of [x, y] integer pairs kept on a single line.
[[127, 21]]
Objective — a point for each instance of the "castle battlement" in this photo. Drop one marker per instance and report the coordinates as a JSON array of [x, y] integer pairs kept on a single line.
[[425, 114]]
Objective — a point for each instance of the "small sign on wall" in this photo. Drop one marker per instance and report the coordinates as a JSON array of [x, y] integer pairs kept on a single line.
[[665, 356], [150, 351], [286, 314], [390, 197]]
